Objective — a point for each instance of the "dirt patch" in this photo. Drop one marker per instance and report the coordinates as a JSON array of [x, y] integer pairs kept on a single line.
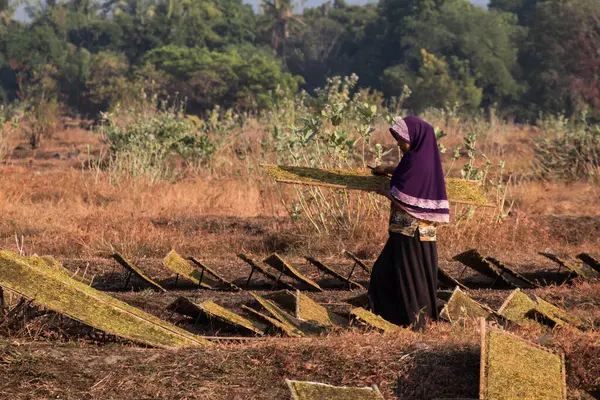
[[573, 230]]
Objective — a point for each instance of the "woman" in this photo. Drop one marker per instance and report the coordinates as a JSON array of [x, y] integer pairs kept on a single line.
[[403, 282]]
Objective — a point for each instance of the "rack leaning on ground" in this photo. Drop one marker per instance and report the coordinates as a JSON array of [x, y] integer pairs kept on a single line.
[[288, 311]]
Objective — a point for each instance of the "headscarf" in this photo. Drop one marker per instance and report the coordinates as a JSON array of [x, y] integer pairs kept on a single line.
[[418, 184]]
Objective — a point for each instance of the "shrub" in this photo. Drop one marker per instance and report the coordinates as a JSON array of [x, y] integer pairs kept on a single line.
[[41, 121], [150, 147], [569, 156]]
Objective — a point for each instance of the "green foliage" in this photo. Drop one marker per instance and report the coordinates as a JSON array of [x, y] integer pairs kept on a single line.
[[479, 45], [523, 9], [147, 145], [561, 57], [278, 21], [439, 135], [241, 77], [107, 83], [470, 170], [333, 132], [520, 57], [436, 85], [478, 167]]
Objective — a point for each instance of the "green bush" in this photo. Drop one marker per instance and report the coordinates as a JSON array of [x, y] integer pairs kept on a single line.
[[41, 121], [242, 77], [150, 147], [438, 84]]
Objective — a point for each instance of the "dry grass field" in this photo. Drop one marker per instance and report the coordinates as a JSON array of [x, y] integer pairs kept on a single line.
[[52, 203]]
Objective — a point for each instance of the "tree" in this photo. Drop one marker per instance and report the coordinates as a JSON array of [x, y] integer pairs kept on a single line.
[[487, 40], [437, 84], [523, 9], [337, 40], [313, 54], [107, 83], [278, 21], [242, 77], [562, 57]]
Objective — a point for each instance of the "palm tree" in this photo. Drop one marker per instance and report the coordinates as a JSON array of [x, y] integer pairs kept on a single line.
[[279, 20], [7, 11]]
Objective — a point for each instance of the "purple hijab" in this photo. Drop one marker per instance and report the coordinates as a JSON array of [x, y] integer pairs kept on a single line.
[[418, 184]]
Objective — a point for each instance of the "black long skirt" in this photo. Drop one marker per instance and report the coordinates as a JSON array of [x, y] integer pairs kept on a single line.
[[403, 284]]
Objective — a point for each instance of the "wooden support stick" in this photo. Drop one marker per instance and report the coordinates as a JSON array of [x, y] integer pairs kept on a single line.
[[352, 271], [127, 280], [249, 277]]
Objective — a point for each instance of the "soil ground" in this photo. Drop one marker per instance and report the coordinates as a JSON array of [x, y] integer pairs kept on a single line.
[[51, 204], [66, 361]]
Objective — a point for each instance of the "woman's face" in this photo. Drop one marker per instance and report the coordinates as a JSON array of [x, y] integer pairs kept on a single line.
[[404, 147]]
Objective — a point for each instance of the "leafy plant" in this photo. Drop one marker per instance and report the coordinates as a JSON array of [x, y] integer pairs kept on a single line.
[[335, 132], [470, 170], [478, 167], [146, 147]]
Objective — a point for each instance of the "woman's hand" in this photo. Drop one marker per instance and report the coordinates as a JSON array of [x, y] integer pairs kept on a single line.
[[382, 170]]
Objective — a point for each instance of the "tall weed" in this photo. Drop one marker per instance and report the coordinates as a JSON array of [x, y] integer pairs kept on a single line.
[[334, 130], [6, 128], [569, 153]]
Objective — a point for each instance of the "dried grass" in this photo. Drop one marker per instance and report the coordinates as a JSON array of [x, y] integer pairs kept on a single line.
[[138, 272], [177, 264], [214, 310], [321, 391], [373, 321], [70, 212], [513, 369], [275, 261], [67, 212], [52, 288], [461, 306], [458, 190]]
